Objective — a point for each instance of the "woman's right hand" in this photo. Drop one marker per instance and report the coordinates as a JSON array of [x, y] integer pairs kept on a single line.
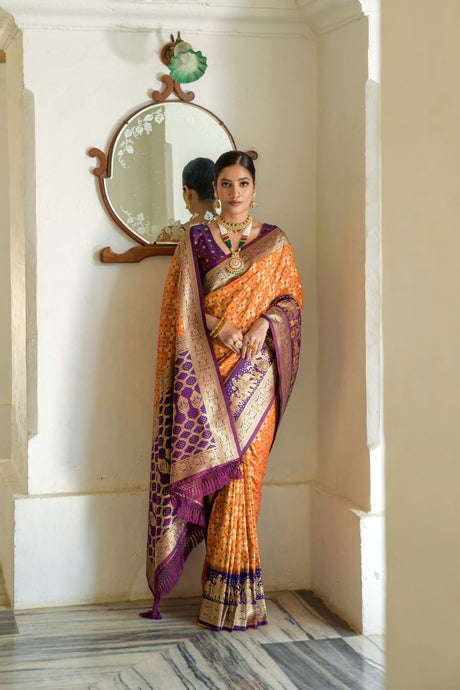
[[231, 338]]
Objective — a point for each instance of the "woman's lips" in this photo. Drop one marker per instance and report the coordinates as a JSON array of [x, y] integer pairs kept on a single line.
[[235, 203]]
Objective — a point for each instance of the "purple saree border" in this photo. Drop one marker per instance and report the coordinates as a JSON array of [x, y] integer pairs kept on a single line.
[[287, 369], [168, 572], [237, 627], [278, 362], [262, 419], [258, 249], [233, 593], [265, 230], [211, 349], [262, 234], [211, 480], [241, 365]]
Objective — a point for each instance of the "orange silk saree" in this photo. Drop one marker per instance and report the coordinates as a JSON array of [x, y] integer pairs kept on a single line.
[[215, 418]]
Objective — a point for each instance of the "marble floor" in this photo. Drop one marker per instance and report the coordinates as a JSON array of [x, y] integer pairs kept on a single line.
[[105, 647]]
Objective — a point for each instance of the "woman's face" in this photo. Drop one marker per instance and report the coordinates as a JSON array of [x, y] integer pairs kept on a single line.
[[235, 190]]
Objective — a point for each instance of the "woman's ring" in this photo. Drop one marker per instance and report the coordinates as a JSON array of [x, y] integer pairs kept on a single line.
[[238, 344], [250, 346]]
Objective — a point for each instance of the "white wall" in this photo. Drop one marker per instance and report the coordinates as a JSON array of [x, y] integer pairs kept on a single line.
[[421, 334], [347, 561], [342, 447], [97, 324], [90, 382]]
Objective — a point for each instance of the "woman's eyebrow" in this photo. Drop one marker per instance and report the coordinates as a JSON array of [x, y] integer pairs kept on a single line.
[[225, 179]]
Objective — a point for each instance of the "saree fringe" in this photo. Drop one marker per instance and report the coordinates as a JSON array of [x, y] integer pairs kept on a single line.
[[199, 486], [168, 572]]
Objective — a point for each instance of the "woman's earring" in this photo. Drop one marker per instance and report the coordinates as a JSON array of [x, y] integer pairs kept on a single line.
[[253, 202], [217, 204]]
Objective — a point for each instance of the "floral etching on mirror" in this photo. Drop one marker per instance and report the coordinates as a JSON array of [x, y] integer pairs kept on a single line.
[[143, 126], [144, 188]]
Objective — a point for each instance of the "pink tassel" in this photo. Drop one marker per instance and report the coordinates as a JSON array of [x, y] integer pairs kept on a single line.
[[154, 614]]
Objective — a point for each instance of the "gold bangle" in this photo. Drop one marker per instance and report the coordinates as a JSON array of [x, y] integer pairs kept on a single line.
[[218, 327]]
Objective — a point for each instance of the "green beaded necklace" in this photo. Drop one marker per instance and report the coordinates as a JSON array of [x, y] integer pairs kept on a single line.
[[235, 264]]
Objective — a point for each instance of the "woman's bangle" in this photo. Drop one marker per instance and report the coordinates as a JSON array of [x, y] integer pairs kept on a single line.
[[217, 328]]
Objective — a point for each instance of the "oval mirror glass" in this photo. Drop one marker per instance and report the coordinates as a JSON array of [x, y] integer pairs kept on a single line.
[[146, 159]]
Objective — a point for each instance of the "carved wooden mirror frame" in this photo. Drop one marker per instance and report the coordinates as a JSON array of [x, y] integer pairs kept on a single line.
[[104, 170]]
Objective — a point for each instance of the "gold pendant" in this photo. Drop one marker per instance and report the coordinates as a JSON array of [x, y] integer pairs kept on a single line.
[[234, 264]]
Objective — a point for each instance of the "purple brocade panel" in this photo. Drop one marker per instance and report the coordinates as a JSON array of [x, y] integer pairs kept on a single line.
[[208, 252], [190, 429], [253, 371]]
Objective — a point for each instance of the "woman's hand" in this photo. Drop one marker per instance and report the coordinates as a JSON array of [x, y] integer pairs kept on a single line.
[[255, 338], [228, 336], [231, 338]]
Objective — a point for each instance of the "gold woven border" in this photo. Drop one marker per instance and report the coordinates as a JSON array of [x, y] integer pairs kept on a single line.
[[195, 342], [217, 277]]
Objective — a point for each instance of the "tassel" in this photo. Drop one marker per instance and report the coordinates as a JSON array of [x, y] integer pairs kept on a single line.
[[154, 614]]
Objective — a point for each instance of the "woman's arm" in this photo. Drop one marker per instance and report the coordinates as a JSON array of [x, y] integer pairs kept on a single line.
[[227, 335]]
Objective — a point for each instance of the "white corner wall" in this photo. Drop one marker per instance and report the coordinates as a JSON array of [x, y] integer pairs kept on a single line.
[[81, 528], [421, 334], [347, 559], [91, 369], [342, 438]]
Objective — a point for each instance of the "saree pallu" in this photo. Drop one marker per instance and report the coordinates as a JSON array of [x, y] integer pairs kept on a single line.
[[215, 418]]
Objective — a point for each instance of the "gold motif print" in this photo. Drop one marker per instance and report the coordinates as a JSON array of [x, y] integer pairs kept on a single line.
[[183, 404]]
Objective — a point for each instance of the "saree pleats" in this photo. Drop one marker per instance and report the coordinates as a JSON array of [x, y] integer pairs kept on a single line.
[[233, 594], [215, 418]]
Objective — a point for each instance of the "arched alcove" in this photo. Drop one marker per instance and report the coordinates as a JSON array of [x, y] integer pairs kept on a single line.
[[88, 462]]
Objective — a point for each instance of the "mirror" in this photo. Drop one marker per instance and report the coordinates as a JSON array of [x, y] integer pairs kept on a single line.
[[140, 179], [144, 189], [144, 185]]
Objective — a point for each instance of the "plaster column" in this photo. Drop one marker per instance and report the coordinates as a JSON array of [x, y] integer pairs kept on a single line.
[[347, 524], [5, 279], [421, 335], [13, 431]]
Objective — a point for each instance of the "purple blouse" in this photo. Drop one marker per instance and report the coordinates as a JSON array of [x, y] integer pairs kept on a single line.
[[209, 253]]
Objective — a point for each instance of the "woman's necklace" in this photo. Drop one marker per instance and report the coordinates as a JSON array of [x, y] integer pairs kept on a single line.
[[236, 227], [234, 264]]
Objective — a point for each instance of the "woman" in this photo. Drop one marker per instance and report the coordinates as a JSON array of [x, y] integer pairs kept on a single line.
[[198, 190], [227, 359]]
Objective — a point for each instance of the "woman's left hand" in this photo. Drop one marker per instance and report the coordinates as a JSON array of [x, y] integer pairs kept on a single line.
[[254, 338]]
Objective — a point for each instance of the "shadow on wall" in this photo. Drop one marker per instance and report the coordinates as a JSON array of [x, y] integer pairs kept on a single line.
[[31, 261]]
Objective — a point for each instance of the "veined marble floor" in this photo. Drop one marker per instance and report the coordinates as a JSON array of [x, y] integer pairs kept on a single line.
[[105, 647]]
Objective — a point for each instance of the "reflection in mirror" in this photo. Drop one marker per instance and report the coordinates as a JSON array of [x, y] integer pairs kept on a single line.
[[147, 156]]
